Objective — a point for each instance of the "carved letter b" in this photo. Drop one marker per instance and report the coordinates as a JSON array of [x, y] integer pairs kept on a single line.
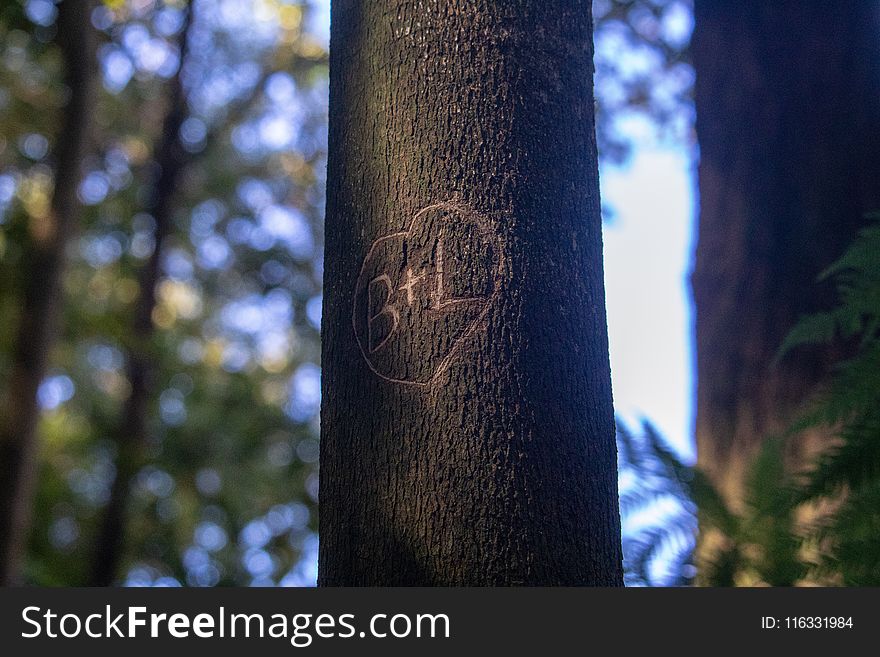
[[386, 310]]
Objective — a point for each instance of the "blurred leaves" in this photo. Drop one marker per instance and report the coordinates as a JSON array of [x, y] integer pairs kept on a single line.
[[844, 483], [228, 492], [659, 516], [644, 80], [755, 545], [820, 526]]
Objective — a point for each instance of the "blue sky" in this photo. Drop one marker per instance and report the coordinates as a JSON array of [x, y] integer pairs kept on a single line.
[[648, 247]]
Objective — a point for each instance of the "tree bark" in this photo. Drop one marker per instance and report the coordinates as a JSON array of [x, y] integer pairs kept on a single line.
[[467, 433], [42, 296], [788, 122], [130, 436]]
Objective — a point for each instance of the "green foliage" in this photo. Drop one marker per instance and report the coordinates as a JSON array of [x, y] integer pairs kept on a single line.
[[841, 491], [227, 493], [849, 552], [758, 544], [857, 278], [755, 545], [845, 480]]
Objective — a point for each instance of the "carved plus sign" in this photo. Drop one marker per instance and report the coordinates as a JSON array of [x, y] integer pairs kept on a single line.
[[410, 284]]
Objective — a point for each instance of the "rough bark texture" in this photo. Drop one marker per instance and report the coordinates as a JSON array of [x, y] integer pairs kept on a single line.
[[130, 436], [467, 427], [42, 295], [788, 122]]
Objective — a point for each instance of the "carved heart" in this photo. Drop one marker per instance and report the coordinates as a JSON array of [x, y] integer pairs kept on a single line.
[[423, 292]]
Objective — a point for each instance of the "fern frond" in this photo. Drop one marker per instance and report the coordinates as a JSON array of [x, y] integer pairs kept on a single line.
[[660, 479], [851, 464], [712, 508]]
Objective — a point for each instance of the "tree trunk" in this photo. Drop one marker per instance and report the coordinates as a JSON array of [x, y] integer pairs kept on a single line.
[[788, 122], [42, 295], [130, 436], [467, 428]]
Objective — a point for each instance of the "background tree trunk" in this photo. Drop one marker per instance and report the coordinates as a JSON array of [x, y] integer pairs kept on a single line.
[[467, 427], [788, 122], [132, 432], [42, 296]]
